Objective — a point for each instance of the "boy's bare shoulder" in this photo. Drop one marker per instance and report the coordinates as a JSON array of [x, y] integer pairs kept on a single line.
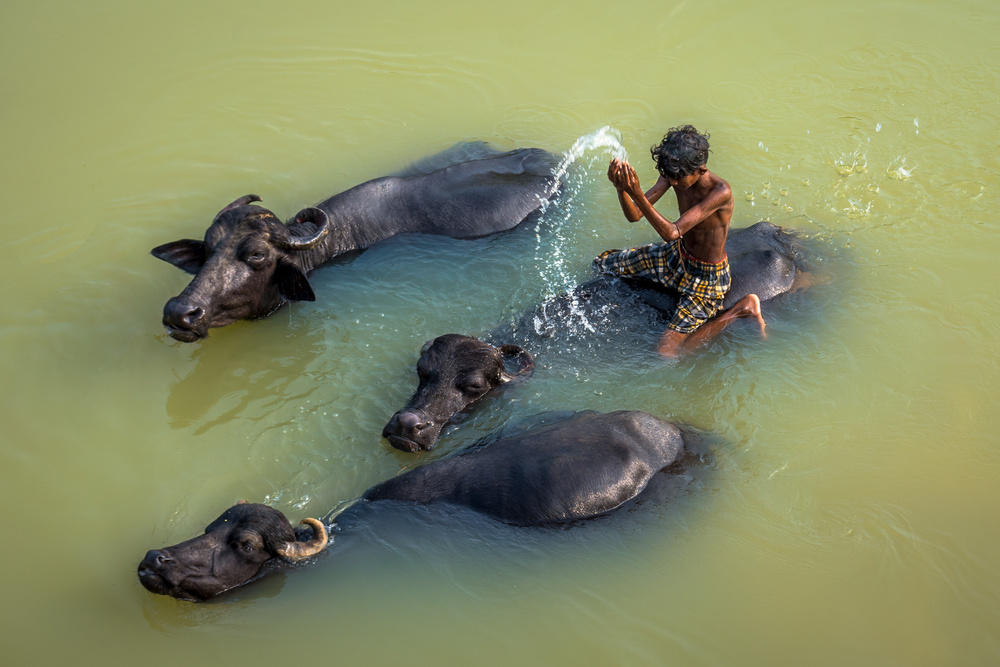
[[714, 192], [721, 195], [718, 183]]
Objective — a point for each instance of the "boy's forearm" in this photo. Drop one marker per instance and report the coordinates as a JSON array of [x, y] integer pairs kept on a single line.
[[667, 230], [632, 213]]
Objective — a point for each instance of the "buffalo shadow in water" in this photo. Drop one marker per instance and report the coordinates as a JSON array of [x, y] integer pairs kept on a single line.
[[223, 382]]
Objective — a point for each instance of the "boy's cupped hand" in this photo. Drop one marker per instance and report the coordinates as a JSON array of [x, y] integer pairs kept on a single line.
[[623, 176]]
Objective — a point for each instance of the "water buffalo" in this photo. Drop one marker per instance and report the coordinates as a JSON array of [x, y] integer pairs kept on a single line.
[[250, 263], [568, 469], [453, 371], [618, 314]]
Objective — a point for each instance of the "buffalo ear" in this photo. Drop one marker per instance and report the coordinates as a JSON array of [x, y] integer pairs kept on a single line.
[[186, 254], [292, 283], [525, 362]]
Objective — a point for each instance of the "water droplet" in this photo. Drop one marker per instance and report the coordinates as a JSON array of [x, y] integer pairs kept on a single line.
[[878, 127], [783, 191]]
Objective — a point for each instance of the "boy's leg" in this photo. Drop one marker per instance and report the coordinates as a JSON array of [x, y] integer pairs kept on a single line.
[[673, 343]]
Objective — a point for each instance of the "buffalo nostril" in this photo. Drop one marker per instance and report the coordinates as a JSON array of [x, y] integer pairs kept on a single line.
[[193, 316], [156, 558], [182, 314], [410, 421]]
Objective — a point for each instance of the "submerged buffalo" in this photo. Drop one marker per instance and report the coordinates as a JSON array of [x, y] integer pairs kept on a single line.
[[613, 314], [453, 372], [571, 468], [250, 263]]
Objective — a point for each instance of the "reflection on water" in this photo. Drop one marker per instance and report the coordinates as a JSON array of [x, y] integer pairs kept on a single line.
[[224, 382], [176, 617]]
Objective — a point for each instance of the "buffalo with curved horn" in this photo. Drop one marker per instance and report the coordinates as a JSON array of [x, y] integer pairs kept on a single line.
[[233, 550], [552, 470], [249, 263]]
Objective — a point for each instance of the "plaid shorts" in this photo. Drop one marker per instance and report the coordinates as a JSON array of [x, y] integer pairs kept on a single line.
[[702, 285]]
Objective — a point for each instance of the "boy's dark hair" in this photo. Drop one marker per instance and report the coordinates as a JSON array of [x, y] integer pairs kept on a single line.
[[681, 152]]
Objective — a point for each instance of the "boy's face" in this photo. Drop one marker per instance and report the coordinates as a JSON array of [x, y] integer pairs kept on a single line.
[[685, 182]]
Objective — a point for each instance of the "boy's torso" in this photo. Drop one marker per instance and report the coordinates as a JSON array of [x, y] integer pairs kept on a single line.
[[707, 239]]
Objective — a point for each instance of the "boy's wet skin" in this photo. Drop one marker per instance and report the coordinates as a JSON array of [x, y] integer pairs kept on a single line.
[[705, 204]]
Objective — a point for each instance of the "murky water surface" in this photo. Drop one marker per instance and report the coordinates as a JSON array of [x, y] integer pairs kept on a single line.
[[845, 509]]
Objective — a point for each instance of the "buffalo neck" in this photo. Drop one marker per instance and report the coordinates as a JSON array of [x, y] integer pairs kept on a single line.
[[359, 218]]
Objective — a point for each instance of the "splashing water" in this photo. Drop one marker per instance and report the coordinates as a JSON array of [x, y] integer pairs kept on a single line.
[[606, 137], [898, 170], [596, 148]]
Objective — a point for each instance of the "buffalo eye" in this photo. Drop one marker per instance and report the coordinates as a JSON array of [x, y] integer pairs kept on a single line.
[[249, 544], [476, 385], [256, 257]]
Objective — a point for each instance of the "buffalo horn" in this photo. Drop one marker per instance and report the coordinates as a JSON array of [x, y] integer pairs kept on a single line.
[[527, 362], [311, 214], [300, 550], [242, 201]]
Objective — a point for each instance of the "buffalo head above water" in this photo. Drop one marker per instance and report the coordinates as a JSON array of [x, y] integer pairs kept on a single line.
[[453, 371], [233, 551], [247, 266], [250, 263]]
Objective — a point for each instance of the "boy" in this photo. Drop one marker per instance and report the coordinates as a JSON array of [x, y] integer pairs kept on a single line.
[[693, 258]]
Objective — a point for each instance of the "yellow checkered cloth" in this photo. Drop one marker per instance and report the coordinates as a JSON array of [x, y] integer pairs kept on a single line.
[[702, 285]]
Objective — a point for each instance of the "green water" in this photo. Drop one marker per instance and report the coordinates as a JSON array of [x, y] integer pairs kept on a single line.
[[846, 509]]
